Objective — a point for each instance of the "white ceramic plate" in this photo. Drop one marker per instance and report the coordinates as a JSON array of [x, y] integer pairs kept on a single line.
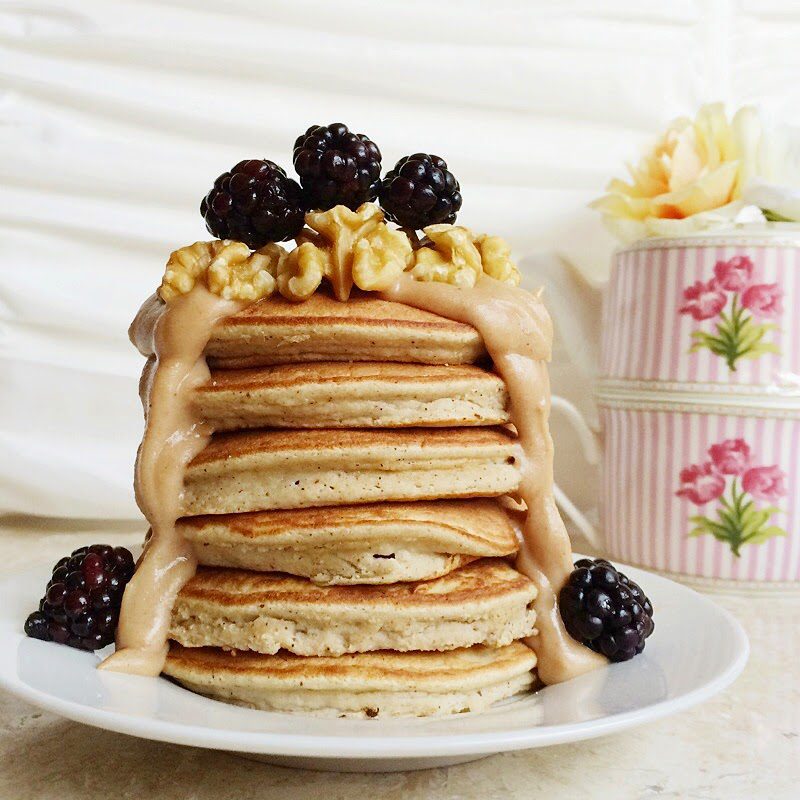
[[696, 650]]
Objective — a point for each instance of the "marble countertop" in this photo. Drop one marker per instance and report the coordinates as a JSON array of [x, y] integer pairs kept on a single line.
[[745, 743]]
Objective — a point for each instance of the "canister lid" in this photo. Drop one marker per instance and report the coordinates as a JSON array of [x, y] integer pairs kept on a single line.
[[703, 398], [776, 234]]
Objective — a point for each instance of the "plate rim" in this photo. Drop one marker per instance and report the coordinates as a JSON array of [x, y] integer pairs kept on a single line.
[[389, 745]]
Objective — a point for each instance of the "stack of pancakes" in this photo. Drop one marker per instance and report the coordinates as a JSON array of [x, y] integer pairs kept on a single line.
[[353, 557]]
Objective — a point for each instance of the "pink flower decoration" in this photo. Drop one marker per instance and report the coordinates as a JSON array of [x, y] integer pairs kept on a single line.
[[704, 300], [731, 456], [765, 483], [763, 299], [701, 483], [734, 274]]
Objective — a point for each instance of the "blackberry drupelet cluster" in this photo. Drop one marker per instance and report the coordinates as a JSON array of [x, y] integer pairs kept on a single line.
[[605, 610], [420, 191], [84, 595], [257, 203], [336, 167], [254, 203]]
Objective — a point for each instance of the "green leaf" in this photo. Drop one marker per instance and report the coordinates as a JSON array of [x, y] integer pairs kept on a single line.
[[707, 340], [724, 533], [750, 336], [754, 522], [729, 520], [771, 510], [720, 347], [747, 512], [701, 526], [763, 534], [726, 335], [750, 344], [774, 216], [759, 349], [704, 336]]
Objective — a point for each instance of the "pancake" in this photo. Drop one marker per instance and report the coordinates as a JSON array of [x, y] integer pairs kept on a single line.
[[486, 602], [364, 684], [352, 395], [269, 469], [277, 331], [369, 544]]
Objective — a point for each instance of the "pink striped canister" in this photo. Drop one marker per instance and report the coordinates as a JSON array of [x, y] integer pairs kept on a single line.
[[700, 406], [721, 309]]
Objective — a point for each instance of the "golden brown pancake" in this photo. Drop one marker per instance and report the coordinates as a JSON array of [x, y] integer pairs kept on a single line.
[[369, 544], [363, 684], [352, 395], [270, 469], [486, 602], [277, 331]]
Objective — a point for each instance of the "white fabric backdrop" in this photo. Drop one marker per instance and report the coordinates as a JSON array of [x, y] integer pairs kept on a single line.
[[115, 117]]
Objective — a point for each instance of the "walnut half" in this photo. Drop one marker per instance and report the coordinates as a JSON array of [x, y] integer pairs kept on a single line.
[[227, 268], [455, 255], [354, 248]]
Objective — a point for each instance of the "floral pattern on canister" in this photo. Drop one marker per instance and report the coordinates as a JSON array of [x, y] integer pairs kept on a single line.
[[737, 333], [745, 506]]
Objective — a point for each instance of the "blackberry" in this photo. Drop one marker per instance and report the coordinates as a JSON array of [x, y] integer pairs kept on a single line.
[[336, 167], [420, 191], [255, 203], [605, 610], [83, 597]]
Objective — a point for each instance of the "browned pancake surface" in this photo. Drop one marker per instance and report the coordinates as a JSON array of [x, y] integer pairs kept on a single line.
[[384, 668], [471, 585], [365, 328], [337, 394], [225, 446], [343, 372], [479, 523]]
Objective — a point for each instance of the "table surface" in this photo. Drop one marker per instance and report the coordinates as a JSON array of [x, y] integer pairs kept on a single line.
[[745, 743]]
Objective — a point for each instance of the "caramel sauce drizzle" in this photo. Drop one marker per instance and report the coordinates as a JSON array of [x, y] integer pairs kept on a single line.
[[518, 334], [173, 336]]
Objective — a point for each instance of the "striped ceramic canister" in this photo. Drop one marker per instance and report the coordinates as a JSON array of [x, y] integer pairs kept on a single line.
[[700, 405], [722, 309]]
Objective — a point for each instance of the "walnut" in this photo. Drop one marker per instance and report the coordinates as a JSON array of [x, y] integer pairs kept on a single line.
[[379, 258], [356, 248], [184, 266], [496, 259], [455, 255], [301, 272], [453, 258], [227, 268], [235, 274], [346, 247]]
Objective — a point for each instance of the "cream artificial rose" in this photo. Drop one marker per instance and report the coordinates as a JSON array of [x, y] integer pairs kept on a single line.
[[697, 168]]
